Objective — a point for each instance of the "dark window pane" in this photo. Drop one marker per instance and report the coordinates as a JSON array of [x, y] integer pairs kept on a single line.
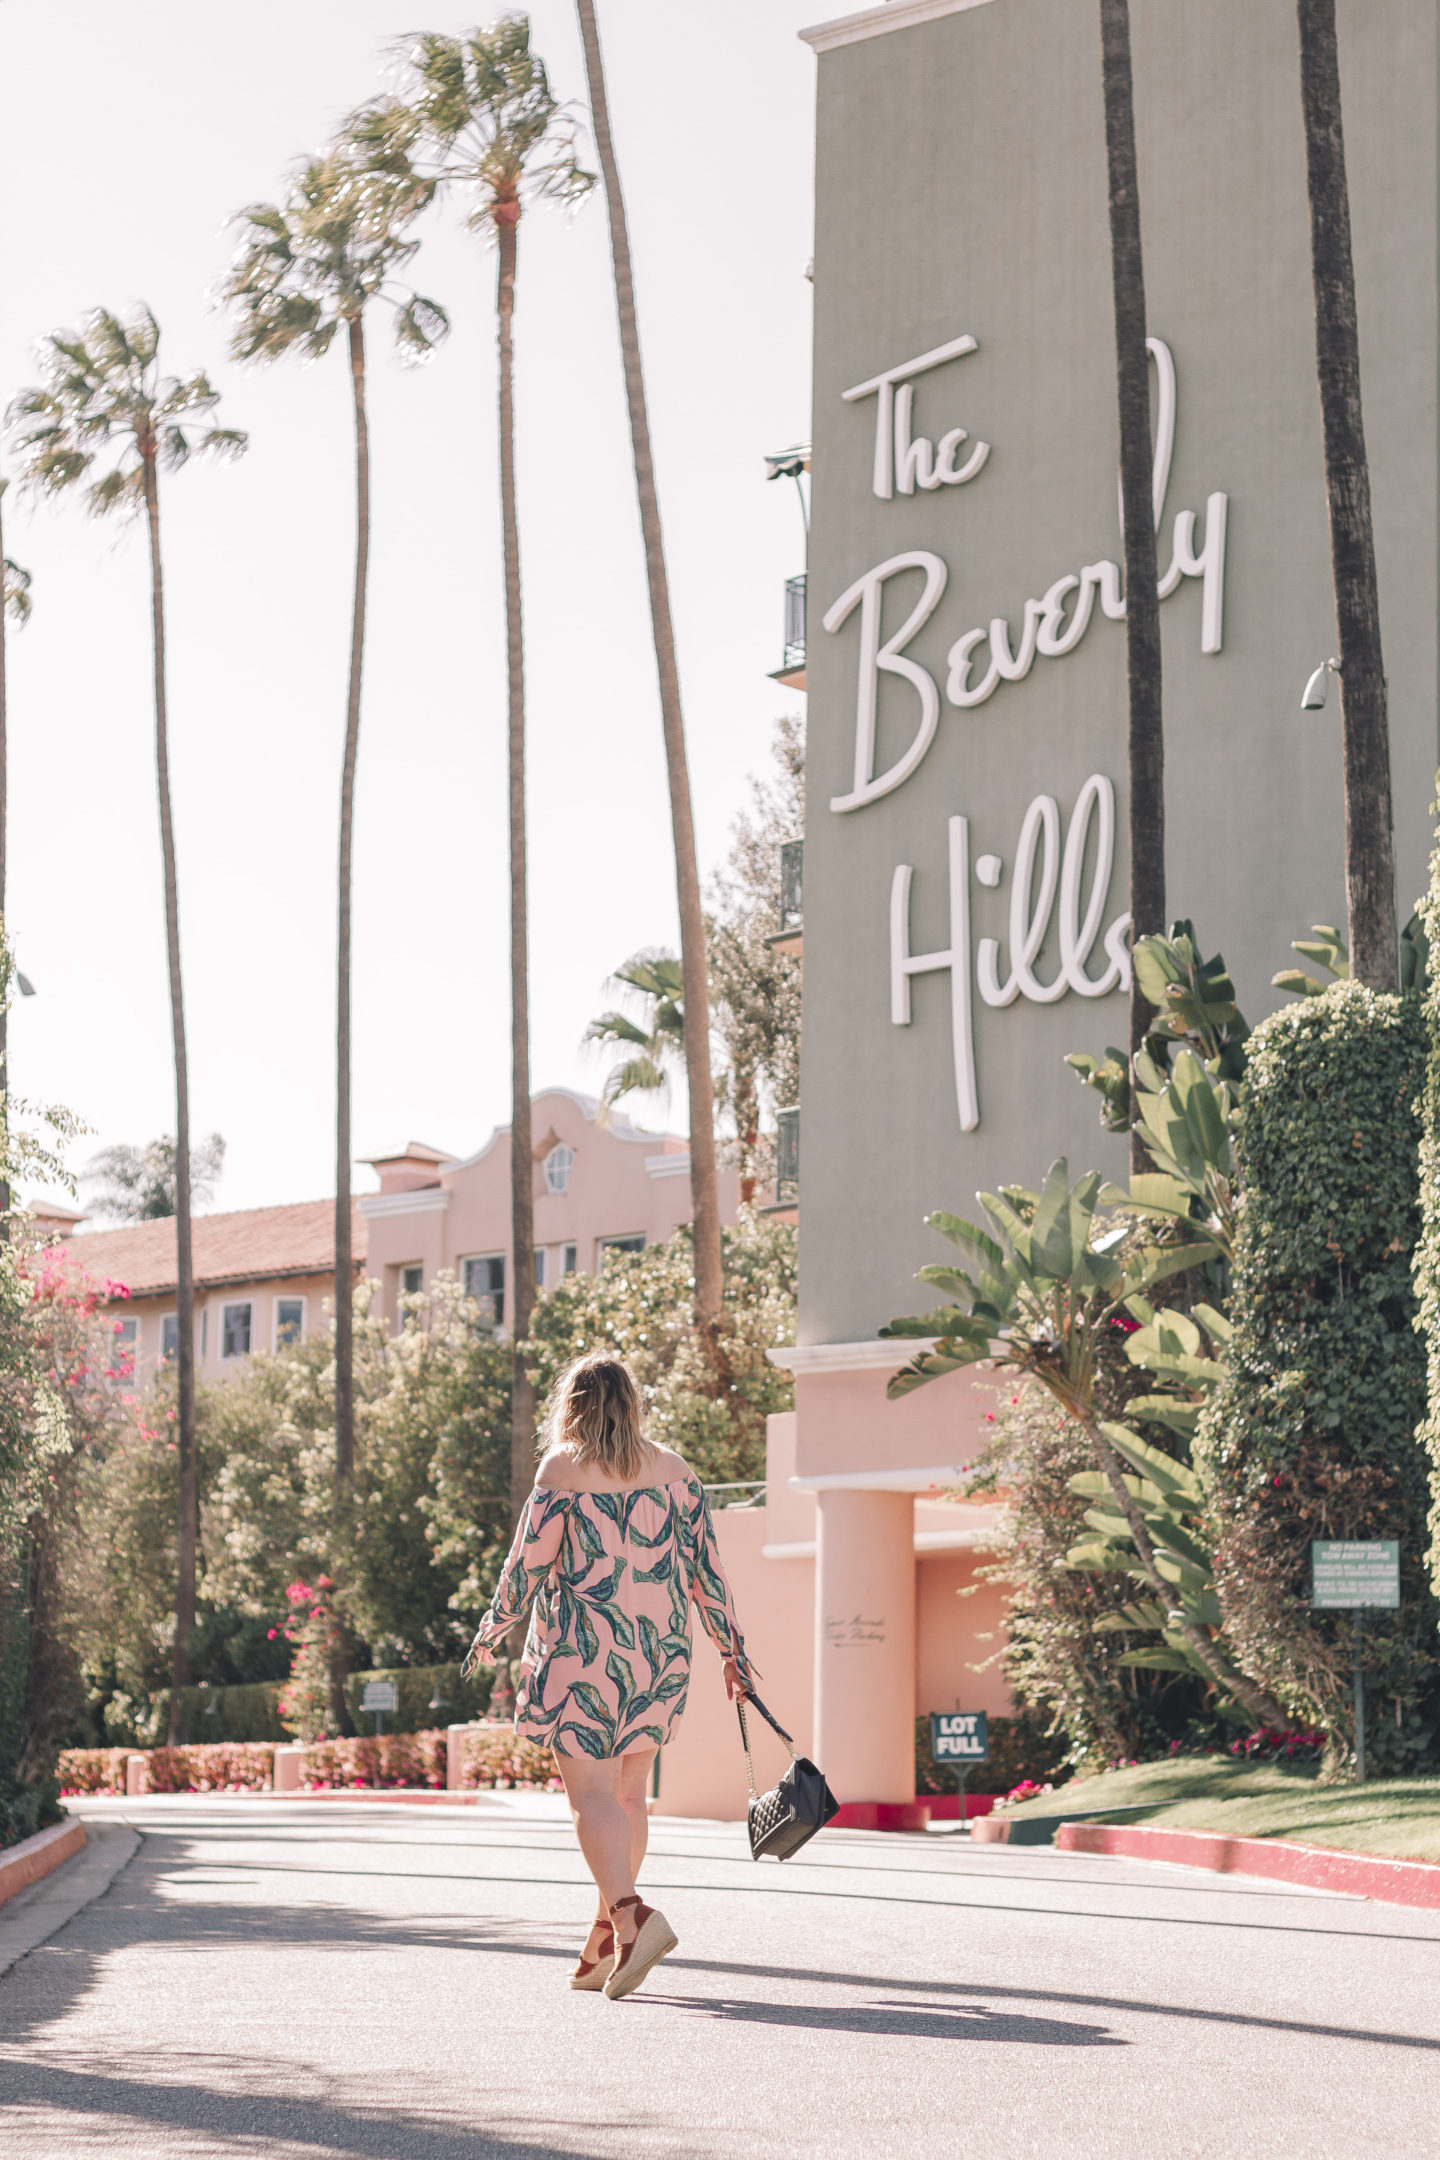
[[235, 1332]]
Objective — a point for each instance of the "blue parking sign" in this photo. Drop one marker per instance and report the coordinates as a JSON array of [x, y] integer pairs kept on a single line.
[[960, 1737]]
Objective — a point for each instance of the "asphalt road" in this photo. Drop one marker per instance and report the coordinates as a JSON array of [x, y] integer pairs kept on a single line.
[[336, 1978]]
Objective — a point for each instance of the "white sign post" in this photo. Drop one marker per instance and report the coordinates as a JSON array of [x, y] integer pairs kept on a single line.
[[380, 1696], [1346, 1576]]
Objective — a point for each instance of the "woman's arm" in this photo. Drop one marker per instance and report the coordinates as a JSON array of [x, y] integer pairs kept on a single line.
[[716, 1601], [533, 1554]]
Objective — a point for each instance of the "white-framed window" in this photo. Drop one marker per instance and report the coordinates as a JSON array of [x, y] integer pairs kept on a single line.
[[204, 1331], [630, 1242], [558, 1165], [484, 1279], [235, 1329], [412, 1280], [569, 1259], [289, 1321], [539, 1267], [126, 1352], [170, 1337]]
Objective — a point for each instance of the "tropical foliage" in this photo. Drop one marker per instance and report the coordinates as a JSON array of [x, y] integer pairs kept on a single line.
[[755, 989], [651, 1045], [104, 415], [137, 1184], [1310, 1433], [1046, 1285]]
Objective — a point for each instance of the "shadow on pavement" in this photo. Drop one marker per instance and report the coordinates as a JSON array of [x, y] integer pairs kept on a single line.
[[909, 2021], [279, 2123]]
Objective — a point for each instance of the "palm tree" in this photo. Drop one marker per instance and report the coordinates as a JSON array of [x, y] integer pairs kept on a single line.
[[1142, 600], [1364, 715], [14, 607], [704, 1185], [103, 398], [479, 111], [652, 1043], [305, 269]]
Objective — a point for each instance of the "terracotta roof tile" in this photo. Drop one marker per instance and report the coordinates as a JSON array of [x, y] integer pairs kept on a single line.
[[250, 1245]]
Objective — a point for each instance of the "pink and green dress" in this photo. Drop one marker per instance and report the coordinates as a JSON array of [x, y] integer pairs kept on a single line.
[[613, 1576]]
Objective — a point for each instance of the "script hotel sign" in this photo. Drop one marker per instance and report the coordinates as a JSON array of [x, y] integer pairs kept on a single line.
[[1049, 863]]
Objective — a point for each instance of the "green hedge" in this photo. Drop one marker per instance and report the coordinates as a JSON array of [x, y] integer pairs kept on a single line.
[[1427, 1251], [1019, 1748], [1311, 1434], [415, 1685], [213, 1714]]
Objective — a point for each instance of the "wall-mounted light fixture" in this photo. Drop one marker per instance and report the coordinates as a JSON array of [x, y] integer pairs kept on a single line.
[[1318, 687]]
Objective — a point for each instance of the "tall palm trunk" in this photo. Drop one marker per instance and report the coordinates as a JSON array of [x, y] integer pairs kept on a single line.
[[4, 890], [1142, 600], [704, 1187], [189, 1515], [522, 1164], [1364, 717], [344, 1257]]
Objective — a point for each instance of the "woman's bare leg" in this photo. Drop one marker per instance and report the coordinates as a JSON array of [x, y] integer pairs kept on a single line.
[[635, 1773], [606, 1831]]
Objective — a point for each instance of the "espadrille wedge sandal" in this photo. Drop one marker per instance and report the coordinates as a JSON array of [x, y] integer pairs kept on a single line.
[[591, 1974], [654, 1939]]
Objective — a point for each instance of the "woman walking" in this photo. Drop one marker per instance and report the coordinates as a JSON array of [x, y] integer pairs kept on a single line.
[[615, 1543]]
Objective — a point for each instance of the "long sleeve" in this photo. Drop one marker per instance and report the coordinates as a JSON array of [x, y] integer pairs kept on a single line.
[[712, 1593], [531, 1557]]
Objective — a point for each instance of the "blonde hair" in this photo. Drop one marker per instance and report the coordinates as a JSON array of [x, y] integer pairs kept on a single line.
[[596, 1416]]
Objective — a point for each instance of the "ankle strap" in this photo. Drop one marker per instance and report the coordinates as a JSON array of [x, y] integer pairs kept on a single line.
[[620, 1903]]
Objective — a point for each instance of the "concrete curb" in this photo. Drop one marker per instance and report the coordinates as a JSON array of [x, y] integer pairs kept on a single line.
[[49, 1904], [1318, 1867], [38, 1856]]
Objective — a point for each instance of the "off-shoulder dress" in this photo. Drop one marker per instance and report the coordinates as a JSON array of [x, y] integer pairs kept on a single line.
[[613, 1575]]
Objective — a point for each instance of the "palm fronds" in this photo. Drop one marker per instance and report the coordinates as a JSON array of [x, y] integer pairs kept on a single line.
[[103, 411]]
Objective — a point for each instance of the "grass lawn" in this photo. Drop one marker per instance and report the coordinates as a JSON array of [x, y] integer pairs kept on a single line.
[[1398, 1817]]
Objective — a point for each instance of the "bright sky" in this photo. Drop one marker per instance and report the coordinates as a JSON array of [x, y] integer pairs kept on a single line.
[[171, 118]]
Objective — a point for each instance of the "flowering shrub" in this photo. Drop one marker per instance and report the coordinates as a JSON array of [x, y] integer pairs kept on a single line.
[[92, 1770], [390, 1759], [312, 1627], [1280, 1746], [1027, 1789], [493, 1757], [224, 1766]]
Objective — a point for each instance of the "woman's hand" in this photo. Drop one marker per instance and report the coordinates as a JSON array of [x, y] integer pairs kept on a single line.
[[734, 1685]]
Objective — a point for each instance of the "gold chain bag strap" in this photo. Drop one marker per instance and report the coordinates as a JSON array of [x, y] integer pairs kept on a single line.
[[785, 1818]]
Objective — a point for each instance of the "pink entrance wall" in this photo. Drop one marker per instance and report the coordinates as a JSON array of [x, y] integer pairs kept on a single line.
[[934, 1640]]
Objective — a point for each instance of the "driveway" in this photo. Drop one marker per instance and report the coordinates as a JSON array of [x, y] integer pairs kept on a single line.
[[320, 1978]]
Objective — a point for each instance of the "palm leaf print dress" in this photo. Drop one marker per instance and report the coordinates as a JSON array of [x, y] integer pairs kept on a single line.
[[613, 1576]]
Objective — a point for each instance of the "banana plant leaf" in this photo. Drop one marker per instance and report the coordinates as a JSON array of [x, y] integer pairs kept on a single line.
[[1162, 1470]]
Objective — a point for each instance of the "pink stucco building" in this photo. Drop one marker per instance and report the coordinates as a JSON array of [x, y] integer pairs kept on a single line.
[[265, 1276], [597, 1184]]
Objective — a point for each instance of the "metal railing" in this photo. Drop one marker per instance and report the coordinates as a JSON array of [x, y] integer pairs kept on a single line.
[[794, 624], [791, 884], [787, 1154], [754, 1488]]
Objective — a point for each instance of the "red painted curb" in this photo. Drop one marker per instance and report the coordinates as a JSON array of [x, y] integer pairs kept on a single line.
[[38, 1856], [881, 1815], [945, 1807], [1318, 1867]]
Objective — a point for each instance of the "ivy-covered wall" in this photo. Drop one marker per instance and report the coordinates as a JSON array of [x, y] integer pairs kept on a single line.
[[1312, 1433]]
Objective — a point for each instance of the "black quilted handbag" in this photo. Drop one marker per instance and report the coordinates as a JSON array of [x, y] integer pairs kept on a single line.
[[785, 1818]]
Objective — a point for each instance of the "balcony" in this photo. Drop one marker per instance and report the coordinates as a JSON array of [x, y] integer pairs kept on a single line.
[[789, 938], [791, 672], [787, 1159]]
